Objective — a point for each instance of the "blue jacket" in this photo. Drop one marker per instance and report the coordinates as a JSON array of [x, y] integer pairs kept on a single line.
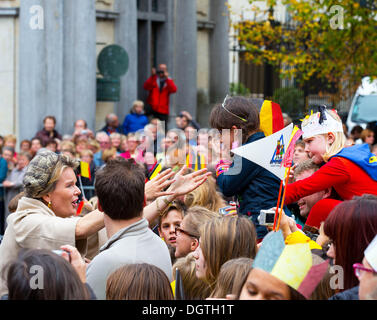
[[255, 187], [97, 159], [350, 294], [134, 122]]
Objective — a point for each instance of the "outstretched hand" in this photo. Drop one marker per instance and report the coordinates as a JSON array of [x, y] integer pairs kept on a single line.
[[186, 183], [154, 188]]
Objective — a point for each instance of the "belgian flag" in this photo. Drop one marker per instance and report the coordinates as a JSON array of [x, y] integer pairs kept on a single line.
[[195, 161], [156, 170], [80, 207], [271, 117], [85, 170]]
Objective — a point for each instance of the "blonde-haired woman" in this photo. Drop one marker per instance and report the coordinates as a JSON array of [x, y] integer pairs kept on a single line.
[[45, 216], [116, 140], [350, 171], [223, 239], [206, 196]]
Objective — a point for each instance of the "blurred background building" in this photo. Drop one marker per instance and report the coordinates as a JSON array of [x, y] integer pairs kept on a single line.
[[264, 81], [49, 51]]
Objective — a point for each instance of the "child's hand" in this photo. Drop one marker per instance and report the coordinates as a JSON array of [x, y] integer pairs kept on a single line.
[[322, 239], [222, 166], [74, 258], [287, 224], [232, 210], [291, 178]]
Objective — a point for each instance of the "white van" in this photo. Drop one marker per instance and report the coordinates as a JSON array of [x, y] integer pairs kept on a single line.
[[364, 105]]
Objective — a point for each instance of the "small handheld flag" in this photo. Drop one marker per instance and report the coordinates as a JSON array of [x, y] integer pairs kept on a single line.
[[82, 189], [79, 208], [156, 170], [287, 163], [271, 117], [195, 161], [274, 153], [179, 291], [268, 152], [85, 170], [288, 156]]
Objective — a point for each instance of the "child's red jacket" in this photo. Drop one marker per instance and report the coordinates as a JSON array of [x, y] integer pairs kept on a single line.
[[344, 175]]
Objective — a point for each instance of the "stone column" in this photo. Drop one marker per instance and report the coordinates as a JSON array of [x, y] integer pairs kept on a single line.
[[41, 65], [126, 35], [79, 63], [57, 65], [186, 56], [219, 51], [165, 37]]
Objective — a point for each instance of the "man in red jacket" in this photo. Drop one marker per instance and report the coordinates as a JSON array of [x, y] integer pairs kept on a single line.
[[160, 86]]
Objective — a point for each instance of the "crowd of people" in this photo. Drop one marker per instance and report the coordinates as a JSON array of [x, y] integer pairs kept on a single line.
[[175, 215]]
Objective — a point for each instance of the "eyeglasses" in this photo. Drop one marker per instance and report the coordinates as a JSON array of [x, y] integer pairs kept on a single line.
[[358, 267], [179, 230]]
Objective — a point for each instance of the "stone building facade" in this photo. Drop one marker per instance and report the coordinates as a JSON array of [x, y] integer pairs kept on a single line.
[[49, 51]]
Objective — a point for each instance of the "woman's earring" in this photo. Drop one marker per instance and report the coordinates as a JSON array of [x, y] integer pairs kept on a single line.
[[49, 204]]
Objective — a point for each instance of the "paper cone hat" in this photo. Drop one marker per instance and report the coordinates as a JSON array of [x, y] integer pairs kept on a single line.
[[292, 263], [371, 254], [320, 122]]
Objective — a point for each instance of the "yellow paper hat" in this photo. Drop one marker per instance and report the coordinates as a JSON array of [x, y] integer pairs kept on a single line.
[[292, 263]]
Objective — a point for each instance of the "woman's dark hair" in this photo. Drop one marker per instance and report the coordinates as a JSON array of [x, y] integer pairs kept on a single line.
[[351, 226], [39, 274], [138, 282], [233, 112]]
